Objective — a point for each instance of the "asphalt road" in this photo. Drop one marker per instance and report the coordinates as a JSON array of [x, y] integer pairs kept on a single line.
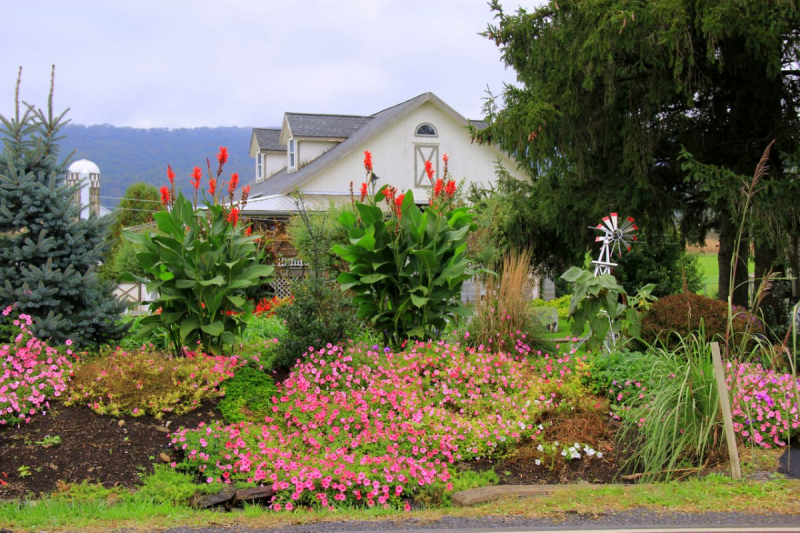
[[629, 521]]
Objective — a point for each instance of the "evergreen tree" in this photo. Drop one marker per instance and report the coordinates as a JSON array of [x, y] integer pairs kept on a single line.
[[48, 255], [653, 109]]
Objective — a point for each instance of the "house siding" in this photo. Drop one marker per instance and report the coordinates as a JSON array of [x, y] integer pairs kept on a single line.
[[394, 156], [275, 162], [310, 150]]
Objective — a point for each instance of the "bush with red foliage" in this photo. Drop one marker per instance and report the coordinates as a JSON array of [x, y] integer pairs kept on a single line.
[[683, 313]]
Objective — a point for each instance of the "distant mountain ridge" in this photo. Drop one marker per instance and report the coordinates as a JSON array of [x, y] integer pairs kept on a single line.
[[128, 155]]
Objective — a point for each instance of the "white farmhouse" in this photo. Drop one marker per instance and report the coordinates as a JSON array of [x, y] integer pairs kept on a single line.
[[321, 155]]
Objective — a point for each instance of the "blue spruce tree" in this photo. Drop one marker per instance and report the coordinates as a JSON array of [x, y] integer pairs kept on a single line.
[[48, 254]]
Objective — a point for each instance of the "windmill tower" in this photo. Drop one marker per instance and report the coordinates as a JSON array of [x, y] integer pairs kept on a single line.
[[86, 174], [614, 237]]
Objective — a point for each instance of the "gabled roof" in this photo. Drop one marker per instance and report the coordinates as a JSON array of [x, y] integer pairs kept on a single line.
[[326, 126], [284, 182], [269, 139]]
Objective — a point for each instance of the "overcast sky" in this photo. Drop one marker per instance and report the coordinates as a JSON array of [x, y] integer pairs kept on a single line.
[[186, 63]]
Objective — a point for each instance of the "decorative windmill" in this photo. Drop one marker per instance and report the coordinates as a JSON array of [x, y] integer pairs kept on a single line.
[[615, 237]]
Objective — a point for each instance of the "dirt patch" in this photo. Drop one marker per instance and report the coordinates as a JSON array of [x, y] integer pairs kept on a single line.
[[92, 448]]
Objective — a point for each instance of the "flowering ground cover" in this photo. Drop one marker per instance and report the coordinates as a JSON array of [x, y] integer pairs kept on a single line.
[[359, 424], [765, 404], [31, 374]]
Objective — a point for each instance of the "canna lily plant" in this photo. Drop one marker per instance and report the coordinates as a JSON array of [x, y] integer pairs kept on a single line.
[[202, 263], [407, 270]]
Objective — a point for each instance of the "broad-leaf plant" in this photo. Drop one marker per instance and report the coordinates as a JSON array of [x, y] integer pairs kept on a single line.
[[203, 264]]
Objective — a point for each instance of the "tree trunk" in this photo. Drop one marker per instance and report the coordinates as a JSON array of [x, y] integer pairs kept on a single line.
[[766, 257], [727, 241]]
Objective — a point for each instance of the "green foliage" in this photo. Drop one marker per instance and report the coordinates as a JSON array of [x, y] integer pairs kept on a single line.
[[314, 234], [407, 272], [609, 371], [156, 338], [611, 93], [561, 305], [248, 396], [683, 314], [203, 267], [597, 300], [168, 486], [320, 314], [437, 495], [124, 261], [675, 422], [48, 255], [262, 327], [661, 263]]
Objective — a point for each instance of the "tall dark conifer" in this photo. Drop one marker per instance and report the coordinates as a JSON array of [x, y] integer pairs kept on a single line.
[[48, 254]]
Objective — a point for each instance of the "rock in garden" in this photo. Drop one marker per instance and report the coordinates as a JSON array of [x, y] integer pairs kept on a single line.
[[162, 429], [164, 457], [203, 501]]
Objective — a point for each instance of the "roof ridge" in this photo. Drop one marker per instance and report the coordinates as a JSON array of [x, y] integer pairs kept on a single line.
[[401, 103], [328, 115], [268, 129]]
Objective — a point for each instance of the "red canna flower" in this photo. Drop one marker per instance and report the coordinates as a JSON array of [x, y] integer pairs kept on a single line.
[[446, 161], [212, 186], [429, 170], [197, 174], [248, 231], [450, 189], [222, 156], [170, 175], [234, 183], [363, 191], [399, 200], [164, 196], [233, 216], [245, 195], [437, 189], [368, 161]]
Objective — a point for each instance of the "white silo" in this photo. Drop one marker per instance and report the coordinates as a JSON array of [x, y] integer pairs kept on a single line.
[[87, 174]]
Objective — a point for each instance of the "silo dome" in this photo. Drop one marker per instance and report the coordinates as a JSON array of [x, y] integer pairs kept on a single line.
[[84, 167]]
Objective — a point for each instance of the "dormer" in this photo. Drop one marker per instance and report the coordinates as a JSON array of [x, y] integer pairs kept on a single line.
[[307, 136], [269, 155]]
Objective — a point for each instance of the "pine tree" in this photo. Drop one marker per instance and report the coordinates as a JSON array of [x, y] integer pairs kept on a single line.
[[48, 254]]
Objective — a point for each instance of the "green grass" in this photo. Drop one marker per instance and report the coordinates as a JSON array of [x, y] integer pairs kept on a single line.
[[93, 508], [710, 269]]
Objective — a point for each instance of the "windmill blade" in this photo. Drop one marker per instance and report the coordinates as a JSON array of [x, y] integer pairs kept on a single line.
[[607, 223], [614, 221], [599, 239], [626, 224]]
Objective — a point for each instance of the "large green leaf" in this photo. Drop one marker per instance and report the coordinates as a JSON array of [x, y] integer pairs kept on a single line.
[[214, 329]]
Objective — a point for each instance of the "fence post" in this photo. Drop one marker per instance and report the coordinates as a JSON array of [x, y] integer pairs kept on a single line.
[[725, 405]]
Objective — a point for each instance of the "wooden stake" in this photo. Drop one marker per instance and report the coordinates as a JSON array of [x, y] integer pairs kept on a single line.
[[725, 405]]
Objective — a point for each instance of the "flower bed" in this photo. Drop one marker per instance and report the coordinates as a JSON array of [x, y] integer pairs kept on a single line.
[[356, 424], [31, 372], [146, 382], [765, 404]]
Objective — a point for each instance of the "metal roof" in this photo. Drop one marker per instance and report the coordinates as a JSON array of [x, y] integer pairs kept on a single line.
[[280, 204], [269, 139], [84, 167]]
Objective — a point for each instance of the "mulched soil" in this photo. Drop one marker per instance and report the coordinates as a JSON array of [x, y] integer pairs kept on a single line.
[[593, 428], [93, 448]]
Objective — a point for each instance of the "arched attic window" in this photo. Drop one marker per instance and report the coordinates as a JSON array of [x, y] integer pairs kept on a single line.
[[426, 130]]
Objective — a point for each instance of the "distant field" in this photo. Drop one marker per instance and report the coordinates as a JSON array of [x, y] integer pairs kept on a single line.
[[710, 268]]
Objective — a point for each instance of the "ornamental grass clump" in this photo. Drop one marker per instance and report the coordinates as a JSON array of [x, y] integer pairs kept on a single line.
[[505, 315], [673, 423], [356, 425], [148, 382], [31, 373]]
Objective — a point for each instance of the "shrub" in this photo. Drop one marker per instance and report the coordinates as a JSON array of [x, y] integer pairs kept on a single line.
[[617, 374], [146, 382], [684, 313], [561, 305], [204, 266], [407, 272], [314, 234], [31, 372], [662, 261], [360, 426], [248, 396], [321, 314], [505, 314]]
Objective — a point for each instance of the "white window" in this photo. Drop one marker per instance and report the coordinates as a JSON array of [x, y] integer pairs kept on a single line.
[[426, 130], [259, 172], [291, 153]]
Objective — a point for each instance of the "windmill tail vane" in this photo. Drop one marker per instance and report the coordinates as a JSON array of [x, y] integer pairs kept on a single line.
[[615, 237]]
